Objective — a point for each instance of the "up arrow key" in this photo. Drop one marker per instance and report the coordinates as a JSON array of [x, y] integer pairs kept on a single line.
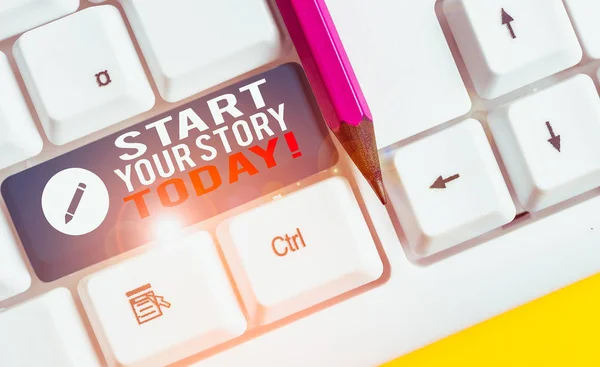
[[507, 20]]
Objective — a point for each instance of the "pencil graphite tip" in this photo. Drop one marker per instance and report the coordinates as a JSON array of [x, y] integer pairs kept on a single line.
[[68, 218], [379, 188]]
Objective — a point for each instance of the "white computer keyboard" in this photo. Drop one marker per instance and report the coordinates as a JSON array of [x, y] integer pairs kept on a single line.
[[487, 114]]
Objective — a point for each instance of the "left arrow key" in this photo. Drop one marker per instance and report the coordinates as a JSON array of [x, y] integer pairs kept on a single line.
[[441, 182], [470, 201]]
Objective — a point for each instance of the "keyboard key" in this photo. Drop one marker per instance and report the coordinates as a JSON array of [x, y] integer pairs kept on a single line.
[[449, 189], [549, 142], [584, 14], [14, 277], [83, 73], [17, 16], [165, 305], [507, 44], [402, 76], [193, 45], [20, 139], [191, 163], [45, 331], [300, 250]]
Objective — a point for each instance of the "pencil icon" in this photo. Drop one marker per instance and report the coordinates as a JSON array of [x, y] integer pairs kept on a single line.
[[75, 202]]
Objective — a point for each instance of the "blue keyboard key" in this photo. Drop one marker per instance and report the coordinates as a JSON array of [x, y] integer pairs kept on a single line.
[[191, 163]]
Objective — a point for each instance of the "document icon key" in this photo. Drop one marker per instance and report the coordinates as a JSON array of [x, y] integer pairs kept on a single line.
[[163, 305], [146, 305]]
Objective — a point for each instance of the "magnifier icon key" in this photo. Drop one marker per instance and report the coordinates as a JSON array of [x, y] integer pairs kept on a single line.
[[70, 214]]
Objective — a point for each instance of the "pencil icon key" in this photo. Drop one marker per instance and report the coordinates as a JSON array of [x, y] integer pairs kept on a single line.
[[75, 202]]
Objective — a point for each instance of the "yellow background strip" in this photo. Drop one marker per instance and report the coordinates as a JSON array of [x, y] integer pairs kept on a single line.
[[561, 329]]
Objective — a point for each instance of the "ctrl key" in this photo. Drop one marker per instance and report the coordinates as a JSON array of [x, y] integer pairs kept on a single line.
[[164, 305], [300, 250]]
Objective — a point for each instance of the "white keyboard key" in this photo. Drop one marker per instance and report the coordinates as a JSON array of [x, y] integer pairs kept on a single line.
[[45, 331], [402, 75], [14, 277], [83, 73], [507, 44], [164, 305], [300, 250], [584, 14], [17, 16], [447, 189], [192, 45], [19, 138], [549, 142]]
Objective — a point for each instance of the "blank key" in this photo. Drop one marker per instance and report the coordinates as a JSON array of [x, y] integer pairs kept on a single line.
[[83, 73], [300, 250], [14, 277], [19, 138], [45, 331], [20, 15], [403, 63], [584, 14], [164, 305], [192, 45]]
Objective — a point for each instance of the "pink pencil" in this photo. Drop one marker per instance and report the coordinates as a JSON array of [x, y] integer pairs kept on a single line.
[[334, 83]]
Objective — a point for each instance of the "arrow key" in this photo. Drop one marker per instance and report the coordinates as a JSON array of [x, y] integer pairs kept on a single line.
[[549, 142], [507, 44], [449, 189], [441, 182]]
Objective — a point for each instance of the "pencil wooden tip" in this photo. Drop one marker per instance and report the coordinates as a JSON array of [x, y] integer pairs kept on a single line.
[[359, 142]]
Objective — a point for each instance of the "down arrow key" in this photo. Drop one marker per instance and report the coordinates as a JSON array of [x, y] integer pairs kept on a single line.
[[554, 139]]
